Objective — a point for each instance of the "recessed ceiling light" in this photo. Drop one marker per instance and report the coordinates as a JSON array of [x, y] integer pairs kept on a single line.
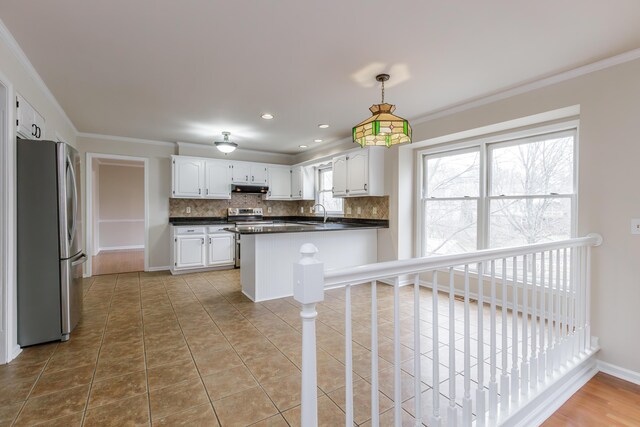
[[323, 126], [317, 140], [302, 146], [267, 116]]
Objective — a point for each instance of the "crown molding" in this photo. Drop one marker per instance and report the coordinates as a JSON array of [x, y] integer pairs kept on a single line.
[[125, 139], [534, 84], [14, 47]]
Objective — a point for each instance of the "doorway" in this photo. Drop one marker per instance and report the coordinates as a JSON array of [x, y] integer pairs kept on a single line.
[[116, 214]]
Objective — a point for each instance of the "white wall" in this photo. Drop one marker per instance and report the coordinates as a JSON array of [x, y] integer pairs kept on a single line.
[[19, 76], [120, 207], [609, 197]]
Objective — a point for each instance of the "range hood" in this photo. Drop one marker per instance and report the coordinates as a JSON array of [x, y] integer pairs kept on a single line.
[[255, 189]]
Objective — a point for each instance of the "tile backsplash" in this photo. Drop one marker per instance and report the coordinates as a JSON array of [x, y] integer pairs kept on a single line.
[[212, 208]]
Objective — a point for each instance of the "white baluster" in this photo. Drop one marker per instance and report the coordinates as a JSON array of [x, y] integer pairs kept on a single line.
[[480, 394], [515, 373], [452, 410], [435, 418], [565, 298], [550, 347], [375, 412], [572, 305], [308, 289], [581, 300], [558, 349], [348, 358], [466, 400], [493, 385], [542, 370], [533, 362], [504, 377], [416, 349], [587, 303], [397, 387], [524, 367]]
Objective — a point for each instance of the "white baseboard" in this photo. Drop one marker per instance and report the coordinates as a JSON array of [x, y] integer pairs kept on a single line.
[[619, 372], [119, 248], [15, 352], [161, 268]]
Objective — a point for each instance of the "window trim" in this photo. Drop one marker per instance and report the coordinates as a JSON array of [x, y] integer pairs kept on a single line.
[[482, 143], [319, 169]]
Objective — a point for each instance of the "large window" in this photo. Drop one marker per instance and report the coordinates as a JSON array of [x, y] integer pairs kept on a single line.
[[324, 195], [499, 193]]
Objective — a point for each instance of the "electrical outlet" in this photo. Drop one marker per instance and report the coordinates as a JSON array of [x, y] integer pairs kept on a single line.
[[302, 209], [635, 226], [359, 210], [375, 211], [269, 209], [188, 209], [348, 211], [311, 209]]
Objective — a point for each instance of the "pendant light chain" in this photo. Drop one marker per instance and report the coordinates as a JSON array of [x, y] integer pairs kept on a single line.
[[382, 91]]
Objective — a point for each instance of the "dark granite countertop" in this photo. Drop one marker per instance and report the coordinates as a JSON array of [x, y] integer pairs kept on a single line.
[[287, 224]]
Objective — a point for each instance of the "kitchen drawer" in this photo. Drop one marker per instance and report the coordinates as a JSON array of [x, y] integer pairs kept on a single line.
[[218, 228], [189, 230]]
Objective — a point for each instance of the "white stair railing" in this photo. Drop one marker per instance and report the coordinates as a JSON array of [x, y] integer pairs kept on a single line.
[[542, 292]]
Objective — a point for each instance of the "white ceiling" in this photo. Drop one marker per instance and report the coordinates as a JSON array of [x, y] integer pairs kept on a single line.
[[187, 70]]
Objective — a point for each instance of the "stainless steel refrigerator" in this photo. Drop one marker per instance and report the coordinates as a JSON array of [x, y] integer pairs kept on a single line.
[[49, 234]]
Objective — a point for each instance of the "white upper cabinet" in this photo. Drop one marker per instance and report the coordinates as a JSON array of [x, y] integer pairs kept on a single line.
[[359, 173], [340, 176], [188, 177], [217, 179], [302, 183], [259, 175], [279, 183], [241, 173], [29, 124]]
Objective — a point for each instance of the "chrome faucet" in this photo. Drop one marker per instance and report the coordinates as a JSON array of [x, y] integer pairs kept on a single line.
[[323, 209]]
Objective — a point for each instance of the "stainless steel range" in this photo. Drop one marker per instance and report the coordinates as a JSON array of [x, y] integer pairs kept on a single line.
[[245, 217]]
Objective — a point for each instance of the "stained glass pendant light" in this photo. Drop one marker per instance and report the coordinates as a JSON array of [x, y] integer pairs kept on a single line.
[[226, 146], [383, 127]]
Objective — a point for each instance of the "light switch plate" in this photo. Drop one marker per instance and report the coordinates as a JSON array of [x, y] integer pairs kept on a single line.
[[269, 209], [359, 210], [635, 226], [188, 209]]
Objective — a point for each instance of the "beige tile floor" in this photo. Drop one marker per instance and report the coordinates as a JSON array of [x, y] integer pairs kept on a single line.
[[192, 350]]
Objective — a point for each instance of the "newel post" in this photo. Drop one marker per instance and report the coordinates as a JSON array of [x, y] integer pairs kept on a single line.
[[308, 289]]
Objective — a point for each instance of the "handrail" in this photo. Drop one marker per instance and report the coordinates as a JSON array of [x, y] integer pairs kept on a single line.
[[365, 273]]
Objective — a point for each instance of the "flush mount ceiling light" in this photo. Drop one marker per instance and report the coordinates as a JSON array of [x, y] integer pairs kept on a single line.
[[323, 126], [317, 140], [383, 127], [267, 116], [226, 146], [302, 146]]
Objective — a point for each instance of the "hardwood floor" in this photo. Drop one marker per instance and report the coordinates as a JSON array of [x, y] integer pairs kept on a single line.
[[603, 401], [113, 262]]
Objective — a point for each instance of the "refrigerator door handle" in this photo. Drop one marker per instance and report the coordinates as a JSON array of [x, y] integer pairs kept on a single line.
[[81, 260], [72, 232]]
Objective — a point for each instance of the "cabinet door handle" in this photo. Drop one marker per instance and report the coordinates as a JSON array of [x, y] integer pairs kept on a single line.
[[35, 130], [365, 187], [347, 190], [207, 191], [209, 240], [252, 177], [203, 240], [246, 177], [300, 193], [199, 190], [39, 132]]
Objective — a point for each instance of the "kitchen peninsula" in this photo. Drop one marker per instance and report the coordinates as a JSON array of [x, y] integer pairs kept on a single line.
[[269, 252]]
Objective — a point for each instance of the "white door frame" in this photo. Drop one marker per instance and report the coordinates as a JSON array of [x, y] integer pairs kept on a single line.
[[9, 348], [89, 203]]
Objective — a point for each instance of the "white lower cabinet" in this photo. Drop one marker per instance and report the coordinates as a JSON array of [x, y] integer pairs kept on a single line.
[[201, 247], [221, 249], [190, 252]]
